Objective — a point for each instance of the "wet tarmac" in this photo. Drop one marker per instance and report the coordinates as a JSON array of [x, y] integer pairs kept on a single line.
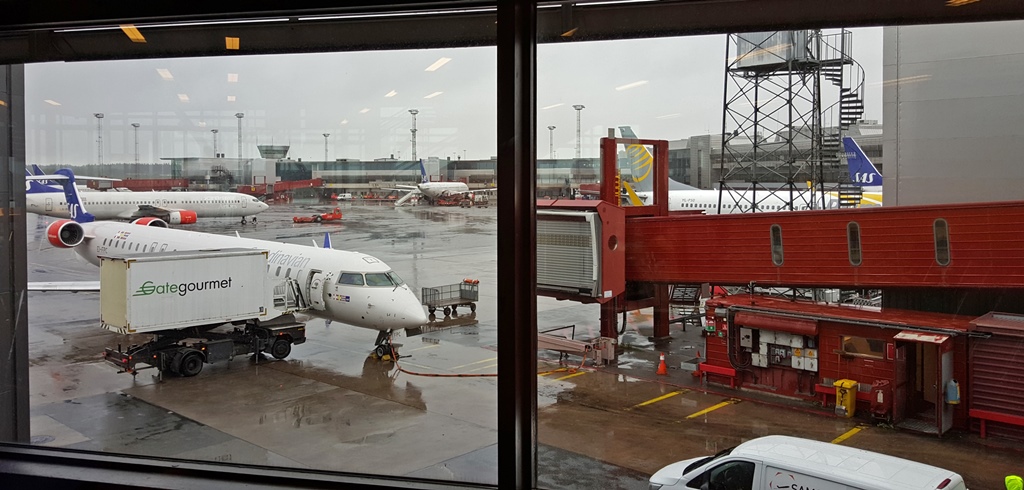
[[328, 406]]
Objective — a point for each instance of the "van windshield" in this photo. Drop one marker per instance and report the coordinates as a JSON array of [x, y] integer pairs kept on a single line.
[[704, 461]]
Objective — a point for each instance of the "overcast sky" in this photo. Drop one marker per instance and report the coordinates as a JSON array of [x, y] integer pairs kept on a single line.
[[663, 88]]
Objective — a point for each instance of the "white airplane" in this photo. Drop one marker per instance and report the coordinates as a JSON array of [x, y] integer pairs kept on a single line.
[[435, 190], [173, 207], [347, 287], [685, 198]]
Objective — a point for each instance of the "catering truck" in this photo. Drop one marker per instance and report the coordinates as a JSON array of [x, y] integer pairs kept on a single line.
[[774, 462], [199, 306]]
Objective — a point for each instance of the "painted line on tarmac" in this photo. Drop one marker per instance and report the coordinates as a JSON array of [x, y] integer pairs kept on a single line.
[[477, 362], [573, 375], [726, 403], [658, 399], [488, 366], [421, 348], [559, 370], [850, 433]]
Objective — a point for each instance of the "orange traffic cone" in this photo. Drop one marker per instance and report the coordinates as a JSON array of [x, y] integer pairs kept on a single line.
[[662, 368]]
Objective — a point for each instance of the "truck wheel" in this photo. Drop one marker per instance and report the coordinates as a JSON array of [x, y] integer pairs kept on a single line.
[[447, 311], [317, 218], [191, 364], [281, 348]]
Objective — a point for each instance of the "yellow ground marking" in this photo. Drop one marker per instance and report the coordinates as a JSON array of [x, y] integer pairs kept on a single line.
[[728, 402], [489, 366], [658, 399], [472, 363], [573, 375], [848, 434], [559, 370], [421, 348]]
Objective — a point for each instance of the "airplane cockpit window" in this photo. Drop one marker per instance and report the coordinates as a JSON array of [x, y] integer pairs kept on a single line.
[[395, 279], [381, 279], [350, 278]]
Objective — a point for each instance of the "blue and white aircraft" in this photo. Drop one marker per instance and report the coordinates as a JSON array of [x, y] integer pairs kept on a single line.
[[347, 287]]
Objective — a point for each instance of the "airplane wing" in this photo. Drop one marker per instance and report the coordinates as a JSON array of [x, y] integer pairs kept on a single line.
[[65, 286], [474, 191]]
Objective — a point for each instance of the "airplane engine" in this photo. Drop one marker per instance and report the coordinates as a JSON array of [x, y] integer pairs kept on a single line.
[[65, 233], [150, 221], [182, 217]]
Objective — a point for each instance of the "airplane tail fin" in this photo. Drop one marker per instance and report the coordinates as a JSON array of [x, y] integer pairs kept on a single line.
[[862, 171], [640, 162], [34, 186], [327, 240], [75, 208], [423, 173]]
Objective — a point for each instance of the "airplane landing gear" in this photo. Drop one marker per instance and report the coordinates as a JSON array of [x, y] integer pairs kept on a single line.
[[384, 349], [243, 220]]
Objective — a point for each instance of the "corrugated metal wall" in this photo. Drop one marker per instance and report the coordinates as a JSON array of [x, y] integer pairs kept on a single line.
[[997, 378]]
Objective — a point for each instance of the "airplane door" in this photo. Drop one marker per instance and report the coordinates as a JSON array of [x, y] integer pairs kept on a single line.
[[49, 204], [244, 202], [315, 290]]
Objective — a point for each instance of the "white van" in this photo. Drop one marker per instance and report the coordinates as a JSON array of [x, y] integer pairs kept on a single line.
[[782, 462]]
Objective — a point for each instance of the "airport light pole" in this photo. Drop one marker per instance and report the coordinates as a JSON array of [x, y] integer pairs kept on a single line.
[[325, 146], [239, 115], [99, 137], [551, 142], [214, 131], [414, 112], [136, 129], [579, 108]]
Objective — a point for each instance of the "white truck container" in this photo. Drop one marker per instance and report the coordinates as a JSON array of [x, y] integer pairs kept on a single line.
[[168, 290], [773, 462], [200, 307]]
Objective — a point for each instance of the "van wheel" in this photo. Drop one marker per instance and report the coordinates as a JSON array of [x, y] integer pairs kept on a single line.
[[281, 348]]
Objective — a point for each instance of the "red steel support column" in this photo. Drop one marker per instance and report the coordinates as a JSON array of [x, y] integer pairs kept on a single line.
[[609, 326], [661, 312]]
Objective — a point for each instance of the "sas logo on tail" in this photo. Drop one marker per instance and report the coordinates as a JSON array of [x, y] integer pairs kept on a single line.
[[864, 177]]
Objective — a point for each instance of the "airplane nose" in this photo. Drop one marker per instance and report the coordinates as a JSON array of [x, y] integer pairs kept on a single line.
[[411, 311]]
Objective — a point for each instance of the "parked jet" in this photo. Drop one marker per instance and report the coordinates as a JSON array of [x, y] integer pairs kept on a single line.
[[172, 207], [685, 198], [348, 287], [434, 190]]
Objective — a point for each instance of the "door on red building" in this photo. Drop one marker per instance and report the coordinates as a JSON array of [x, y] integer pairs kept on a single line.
[[922, 371]]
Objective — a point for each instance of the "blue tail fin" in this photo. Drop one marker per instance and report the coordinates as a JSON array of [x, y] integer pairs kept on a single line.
[[862, 171], [33, 186], [75, 208], [423, 173], [327, 240]]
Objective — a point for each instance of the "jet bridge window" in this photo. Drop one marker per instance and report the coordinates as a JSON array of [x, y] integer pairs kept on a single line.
[[941, 231], [776, 236], [853, 242], [351, 279]]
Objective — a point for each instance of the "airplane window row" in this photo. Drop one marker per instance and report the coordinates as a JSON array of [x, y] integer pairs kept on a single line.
[[135, 246]]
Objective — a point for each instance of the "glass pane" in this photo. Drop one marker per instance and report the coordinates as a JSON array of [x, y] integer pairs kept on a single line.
[[400, 141], [801, 125]]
